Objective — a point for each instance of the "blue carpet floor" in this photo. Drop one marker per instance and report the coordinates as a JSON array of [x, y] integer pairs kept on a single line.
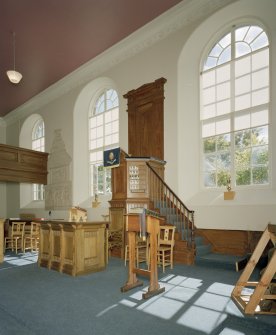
[[196, 301]]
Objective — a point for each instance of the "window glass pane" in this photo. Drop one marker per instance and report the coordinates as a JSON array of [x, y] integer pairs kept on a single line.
[[210, 162], [115, 114], [209, 95], [222, 177], [108, 140], [93, 144], [93, 157], [225, 56], [208, 79], [223, 142], [108, 180], [223, 73], [259, 118], [107, 116], [223, 107], [242, 102], [223, 126], [260, 97], [260, 175], [92, 122], [210, 62], [223, 91], [242, 121], [260, 155], [260, 79], [243, 139], [209, 144], [242, 66], [225, 41], [243, 177], [242, 85], [224, 161], [252, 33], [208, 111], [240, 33], [210, 179], [242, 49], [108, 129], [260, 135], [216, 51], [100, 179], [260, 42], [260, 59], [208, 129], [99, 142], [99, 131]]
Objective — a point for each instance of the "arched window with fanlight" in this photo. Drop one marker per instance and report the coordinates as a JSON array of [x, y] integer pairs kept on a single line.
[[103, 135], [235, 109], [38, 144]]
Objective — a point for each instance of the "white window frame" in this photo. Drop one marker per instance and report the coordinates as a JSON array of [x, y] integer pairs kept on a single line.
[[103, 135], [38, 144], [234, 113]]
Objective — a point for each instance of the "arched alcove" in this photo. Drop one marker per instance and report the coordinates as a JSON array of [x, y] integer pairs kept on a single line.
[[25, 141], [85, 100]]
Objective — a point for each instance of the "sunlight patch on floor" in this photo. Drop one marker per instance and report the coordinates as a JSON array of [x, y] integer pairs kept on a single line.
[[203, 319], [192, 306]]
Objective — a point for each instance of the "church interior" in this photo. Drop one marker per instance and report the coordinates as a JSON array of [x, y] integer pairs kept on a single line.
[[137, 178]]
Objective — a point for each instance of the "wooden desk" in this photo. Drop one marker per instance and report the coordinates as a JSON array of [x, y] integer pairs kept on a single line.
[[75, 248], [152, 228]]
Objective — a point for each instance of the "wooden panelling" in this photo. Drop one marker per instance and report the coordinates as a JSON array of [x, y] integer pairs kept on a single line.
[[146, 120], [22, 165], [232, 242], [74, 248]]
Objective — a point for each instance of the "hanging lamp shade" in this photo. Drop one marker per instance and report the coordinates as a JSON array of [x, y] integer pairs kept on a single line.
[[13, 75]]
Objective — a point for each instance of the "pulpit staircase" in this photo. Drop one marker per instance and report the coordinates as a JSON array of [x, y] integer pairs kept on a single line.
[[168, 205], [190, 248]]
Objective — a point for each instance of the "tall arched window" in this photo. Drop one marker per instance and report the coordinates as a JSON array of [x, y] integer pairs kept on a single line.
[[235, 109], [38, 144], [103, 135]]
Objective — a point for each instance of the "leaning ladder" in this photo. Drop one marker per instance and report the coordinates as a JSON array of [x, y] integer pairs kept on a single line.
[[251, 303]]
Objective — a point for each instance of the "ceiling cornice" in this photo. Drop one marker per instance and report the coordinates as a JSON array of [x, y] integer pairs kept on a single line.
[[181, 15]]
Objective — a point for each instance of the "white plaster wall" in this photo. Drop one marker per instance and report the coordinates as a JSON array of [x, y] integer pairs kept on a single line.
[[252, 209]]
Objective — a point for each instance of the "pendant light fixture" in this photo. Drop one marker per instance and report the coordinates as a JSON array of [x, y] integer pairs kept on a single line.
[[13, 75]]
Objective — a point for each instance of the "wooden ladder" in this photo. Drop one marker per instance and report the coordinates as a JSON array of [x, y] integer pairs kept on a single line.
[[255, 302]]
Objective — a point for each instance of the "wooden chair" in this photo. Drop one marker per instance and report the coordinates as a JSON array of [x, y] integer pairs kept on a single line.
[[141, 251], [31, 237], [16, 240], [165, 246], [114, 239]]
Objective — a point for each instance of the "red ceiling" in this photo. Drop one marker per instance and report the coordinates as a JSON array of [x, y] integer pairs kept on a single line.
[[54, 37]]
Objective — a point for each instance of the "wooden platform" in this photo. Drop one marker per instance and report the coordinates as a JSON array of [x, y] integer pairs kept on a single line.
[[258, 297]]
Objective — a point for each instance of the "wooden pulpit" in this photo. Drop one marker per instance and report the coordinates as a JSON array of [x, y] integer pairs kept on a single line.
[[133, 226]]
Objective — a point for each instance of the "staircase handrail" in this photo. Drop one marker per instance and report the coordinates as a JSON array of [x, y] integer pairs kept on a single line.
[[187, 226]]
